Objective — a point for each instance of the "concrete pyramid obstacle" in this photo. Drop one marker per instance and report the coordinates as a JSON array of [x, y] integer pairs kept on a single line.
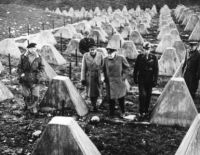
[[195, 35], [49, 72], [43, 38], [180, 50], [65, 32], [5, 93], [175, 35], [8, 46], [115, 42], [175, 105], [126, 32], [115, 23], [52, 56], [62, 93], [63, 136], [191, 23], [128, 50], [142, 28], [179, 72], [109, 29], [97, 35], [73, 47], [186, 19], [57, 11], [168, 62], [136, 38], [164, 30], [190, 143], [166, 42], [103, 51], [133, 25]]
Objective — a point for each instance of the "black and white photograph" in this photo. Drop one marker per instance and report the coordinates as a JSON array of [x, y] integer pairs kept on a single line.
[[99, 77]]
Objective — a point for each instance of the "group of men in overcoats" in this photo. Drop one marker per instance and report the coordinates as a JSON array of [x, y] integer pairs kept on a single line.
[[114, 68]]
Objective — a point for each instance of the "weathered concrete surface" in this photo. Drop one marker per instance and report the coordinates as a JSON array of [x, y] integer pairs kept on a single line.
[[63, 136], [175, 105], [190, 144], [62, 93]]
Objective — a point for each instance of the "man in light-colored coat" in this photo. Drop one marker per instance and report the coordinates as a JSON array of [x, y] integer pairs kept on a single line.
[[115, 71], [92, 64]]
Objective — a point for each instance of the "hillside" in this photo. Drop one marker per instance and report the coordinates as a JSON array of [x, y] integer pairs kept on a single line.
[[65, 4], [19, 17]]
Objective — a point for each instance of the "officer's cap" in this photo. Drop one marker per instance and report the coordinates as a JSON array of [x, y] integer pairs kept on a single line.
[[31, 45]]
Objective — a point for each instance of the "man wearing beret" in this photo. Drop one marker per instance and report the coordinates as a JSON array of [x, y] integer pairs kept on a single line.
[[145, 75], [115, 71], [191, 68], [30, 70]]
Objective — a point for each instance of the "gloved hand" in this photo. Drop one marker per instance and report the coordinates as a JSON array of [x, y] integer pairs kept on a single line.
[[83, 82]]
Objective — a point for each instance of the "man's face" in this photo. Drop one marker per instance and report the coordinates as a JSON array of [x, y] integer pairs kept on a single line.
[[32, 50], [93, 50]]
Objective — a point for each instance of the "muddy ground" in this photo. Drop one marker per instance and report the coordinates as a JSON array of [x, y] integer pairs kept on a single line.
[[112, 136]]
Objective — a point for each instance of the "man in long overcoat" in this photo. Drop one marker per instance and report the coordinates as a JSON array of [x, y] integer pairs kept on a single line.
[[145, 75], [91, 70], [30, 70], [191, 69], [115, 72], [85, 43]]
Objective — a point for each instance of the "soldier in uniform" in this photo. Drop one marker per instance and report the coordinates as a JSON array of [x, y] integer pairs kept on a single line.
[[191, 69], [30, 70], [85, 43], [115, 71], [145, 75], [92, 64]]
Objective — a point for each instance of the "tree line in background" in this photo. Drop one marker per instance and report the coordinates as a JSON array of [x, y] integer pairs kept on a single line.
[[77, 4]]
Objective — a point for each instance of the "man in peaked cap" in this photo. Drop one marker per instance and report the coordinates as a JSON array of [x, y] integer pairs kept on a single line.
[[145, 75], [85, 43], [191, 68], [30, 70], [91, 69], [115, 71]]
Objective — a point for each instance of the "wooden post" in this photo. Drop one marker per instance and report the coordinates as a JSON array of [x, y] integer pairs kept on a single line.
[[76, 57], [28, 42], [53, 24], [71, 20], [70, 70], [61, 42], [64, 21], [120, 44], [9, 62], [9, 32], [42, 26], [97, 40], [28, 29]]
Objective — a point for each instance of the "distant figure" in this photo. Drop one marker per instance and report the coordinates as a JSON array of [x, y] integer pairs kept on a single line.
[[115, 71], [145, 75], [191, 69], [92, 64], [85, 43], [29, 70]]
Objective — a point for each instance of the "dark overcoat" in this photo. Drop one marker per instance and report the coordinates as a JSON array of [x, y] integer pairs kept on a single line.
[[191, 70], [146, 69]]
